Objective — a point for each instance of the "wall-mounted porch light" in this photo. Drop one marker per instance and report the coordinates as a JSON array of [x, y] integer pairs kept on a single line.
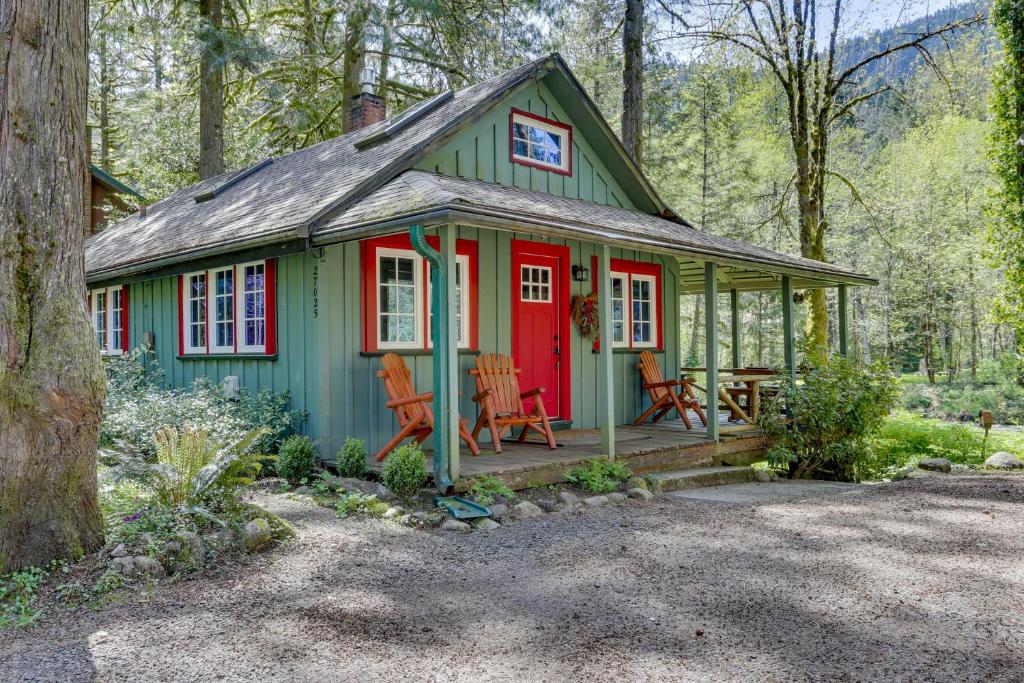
[[580, 273]]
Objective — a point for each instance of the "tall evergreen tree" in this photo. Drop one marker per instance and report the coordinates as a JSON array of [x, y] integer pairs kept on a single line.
[[51, 379], [1008, 158]]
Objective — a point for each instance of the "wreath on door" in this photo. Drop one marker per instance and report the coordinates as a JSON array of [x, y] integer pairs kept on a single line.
[[585, 316]]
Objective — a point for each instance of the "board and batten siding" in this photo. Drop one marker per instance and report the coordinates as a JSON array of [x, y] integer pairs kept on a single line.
[[481, 152], [154, 308], [352, 397]]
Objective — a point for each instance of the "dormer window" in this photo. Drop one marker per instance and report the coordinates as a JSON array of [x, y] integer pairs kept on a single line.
[[540, 142]]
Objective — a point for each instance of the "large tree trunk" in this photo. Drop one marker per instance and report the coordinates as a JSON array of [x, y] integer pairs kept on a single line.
[[51, 379], [633, 80], [211, 90]]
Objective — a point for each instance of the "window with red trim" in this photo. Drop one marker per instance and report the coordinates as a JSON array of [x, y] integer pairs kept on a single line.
[[396, 294], [228, 310], [636, 304], [540, 142], [108, 308]]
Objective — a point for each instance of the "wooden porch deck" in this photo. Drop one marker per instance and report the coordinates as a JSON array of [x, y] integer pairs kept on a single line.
[[667, 445]]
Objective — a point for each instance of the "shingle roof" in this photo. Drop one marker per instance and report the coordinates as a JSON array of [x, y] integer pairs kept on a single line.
[[284, 195], [334, 186], [419, 191]]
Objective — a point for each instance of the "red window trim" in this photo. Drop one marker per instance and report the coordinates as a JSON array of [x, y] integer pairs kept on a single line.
[[635, 268], [368, 261], [270, 319], [124, 319], [550, 122]]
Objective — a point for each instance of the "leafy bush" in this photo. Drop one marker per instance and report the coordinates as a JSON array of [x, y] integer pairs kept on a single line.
[[136, 408], [297, 458], [404, 472], [599, 475], [351, 459], [833, 412], [486, 487]]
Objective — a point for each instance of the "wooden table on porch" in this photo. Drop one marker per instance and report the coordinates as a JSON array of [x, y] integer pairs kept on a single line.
[[753, 382]]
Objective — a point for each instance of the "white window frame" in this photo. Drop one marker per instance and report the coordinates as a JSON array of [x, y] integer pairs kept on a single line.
[[211, 312], [186, 313], [239, 289], [626, 309], [564, 135], [108, 348], [463, 264], [653, 301], [418, 279], [523, 268]]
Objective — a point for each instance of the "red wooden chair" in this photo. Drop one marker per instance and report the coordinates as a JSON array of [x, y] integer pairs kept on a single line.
[[663, 395], [501, 401], [415, 418]]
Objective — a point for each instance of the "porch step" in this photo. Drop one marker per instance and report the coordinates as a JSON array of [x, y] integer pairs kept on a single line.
[[700, 477]]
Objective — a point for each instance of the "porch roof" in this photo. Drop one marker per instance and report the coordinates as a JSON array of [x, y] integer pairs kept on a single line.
[[431, 199]]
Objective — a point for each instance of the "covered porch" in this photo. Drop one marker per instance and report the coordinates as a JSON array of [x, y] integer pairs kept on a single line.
[[647, 447]]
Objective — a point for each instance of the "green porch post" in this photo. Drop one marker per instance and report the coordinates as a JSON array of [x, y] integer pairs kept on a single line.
[[711, 345], [844, 321], [734, 304], [606, 416], [445, 360], [788, 330], [451, 351]]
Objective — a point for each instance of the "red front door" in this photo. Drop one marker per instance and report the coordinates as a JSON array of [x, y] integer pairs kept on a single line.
[[540, 314]]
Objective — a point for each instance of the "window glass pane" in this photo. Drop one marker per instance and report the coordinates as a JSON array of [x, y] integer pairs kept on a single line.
[[554, 157], [537, 152], [617, 332], [405, 271], [388, 270], [521, 131]]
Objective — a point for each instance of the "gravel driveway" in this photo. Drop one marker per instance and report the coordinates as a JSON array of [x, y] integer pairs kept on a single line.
[[920, 580]]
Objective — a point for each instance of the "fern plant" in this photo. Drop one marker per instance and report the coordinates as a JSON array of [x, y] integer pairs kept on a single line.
[[191, 467]]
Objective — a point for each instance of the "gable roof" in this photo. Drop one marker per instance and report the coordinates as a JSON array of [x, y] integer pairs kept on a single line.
[[296, 193], [417, 193], [330, 187]]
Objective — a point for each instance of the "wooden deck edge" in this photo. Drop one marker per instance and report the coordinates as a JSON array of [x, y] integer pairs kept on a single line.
[[736, 451]]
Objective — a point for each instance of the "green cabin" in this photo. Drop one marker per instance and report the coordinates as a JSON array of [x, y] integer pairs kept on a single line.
[[299, 272]]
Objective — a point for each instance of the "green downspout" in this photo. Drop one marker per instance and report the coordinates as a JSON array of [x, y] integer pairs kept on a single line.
[[439, 336]]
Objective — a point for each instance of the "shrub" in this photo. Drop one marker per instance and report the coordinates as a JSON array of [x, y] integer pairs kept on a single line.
[[486, 487], [404, 472], [297, 458], [833, 412], [136, 408], [351, 459], [599, 475]]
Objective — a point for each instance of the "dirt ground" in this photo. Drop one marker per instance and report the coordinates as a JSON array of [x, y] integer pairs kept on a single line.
[[920, 580]]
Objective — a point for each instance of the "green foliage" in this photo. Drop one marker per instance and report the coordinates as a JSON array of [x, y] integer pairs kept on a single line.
[[599, 475], [350, 461], [136, 408], [191, 468], [833, 412], [905, 439], [1007, 152], [486, 487], [297, 458], [351, 503], [404, 472], [19, 592]]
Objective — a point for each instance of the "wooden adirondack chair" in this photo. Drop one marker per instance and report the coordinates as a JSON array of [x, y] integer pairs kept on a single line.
[[501, 401], [663, 395], [415, 417]]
